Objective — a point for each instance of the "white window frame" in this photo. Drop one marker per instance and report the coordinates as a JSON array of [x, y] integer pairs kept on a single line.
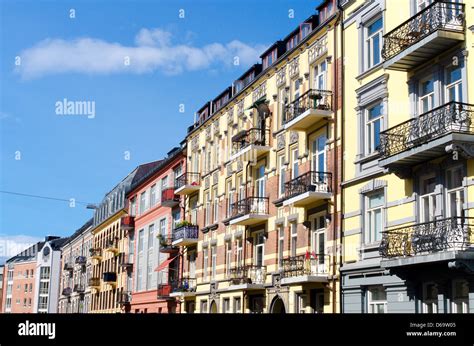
[[282, 175], [369, 43], [430, 305], [281, 245], [205, 267], [293, 239], [369, 127], [294, 163], [373, 304], [371, 235]]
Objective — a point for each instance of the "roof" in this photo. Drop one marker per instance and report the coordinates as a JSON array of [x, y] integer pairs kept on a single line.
[[175, 152], [56, 244], [79, 231], [27, 254]]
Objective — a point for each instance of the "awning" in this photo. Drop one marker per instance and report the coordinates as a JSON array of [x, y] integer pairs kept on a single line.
[[164, 264]]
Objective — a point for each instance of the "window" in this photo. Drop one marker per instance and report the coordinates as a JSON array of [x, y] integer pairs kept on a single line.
[[241, 188], [43, 303], [460, 297], [142, 202], [374, 217], [260, 185], [204, 306], [230, 198], [226, 306], [195, 163], [176, 217], [282, 103], [26, 288], [213, 262], [373, 42], [133, 206], [237, 305], [454, 84], [426, 95], [428, 199], [207, 211], [320, 76], [140, 259], [294, 163], [282, 175], [153, 199], [373, 127], [193, 207], [163, 227], [215, 207], [205, 264], [318, 159], [44, 288], [228, 257], [149, 269], [217, 155], [31, 287], [178, 171], [239, 251], [208, 160], [259, 249], [24, 302], [29, 302], [294, 238], [300, 303], [269, 58], [281, 244], [430, 298], [454, 192], [296, 93], [44, 273], [421, 4], [318, 244], [192, 265], [377, 300]]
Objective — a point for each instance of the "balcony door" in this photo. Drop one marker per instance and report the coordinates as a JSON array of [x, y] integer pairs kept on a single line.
[[318, 243], [260, 190], [320, 76], [427, 199], [318, 163], [430, 298], [454, 192]]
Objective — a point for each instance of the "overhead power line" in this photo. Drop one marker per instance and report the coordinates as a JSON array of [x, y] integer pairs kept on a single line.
[[43, 197]]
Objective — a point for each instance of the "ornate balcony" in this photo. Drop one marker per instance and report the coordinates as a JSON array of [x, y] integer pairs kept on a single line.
[[166, 244], [96, 253], [424, 36], [249, 277], [433, 241], [127, 223], [81, 260], [431, 135], [184, 287], [94, 282], [249, 211], [110, 278], [185, 235], [311, 107], [305, 269], [111, 245], [187, 183], [66, 291], [126, 260], [248, 145], [68, 266], [124, 298], [169, 198], [79, 288], [308, 188]]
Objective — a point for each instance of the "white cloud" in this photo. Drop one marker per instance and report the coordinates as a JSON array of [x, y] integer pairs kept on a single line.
[[154, 50]]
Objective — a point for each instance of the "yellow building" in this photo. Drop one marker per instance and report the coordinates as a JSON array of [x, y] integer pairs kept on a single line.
[[408, 168], [112, 249], [262, 178]]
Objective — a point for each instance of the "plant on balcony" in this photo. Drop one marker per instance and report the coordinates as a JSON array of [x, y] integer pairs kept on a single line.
[[162, 240], [183, 224]]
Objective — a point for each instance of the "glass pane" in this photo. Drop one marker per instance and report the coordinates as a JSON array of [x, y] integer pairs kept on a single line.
[[454, 75], [376, 50], [377, 224], [376, 200], [427, 87], [375, 26], [375, 112], [376, 134]]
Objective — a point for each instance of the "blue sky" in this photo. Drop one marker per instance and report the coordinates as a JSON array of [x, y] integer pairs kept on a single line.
[[171, 61]]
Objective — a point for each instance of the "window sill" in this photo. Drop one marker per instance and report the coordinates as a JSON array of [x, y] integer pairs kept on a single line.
[[367, 158], [369, 71]]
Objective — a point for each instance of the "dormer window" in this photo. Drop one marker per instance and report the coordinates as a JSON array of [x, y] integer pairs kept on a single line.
[[270, 58], [292, 42], [305, 30]]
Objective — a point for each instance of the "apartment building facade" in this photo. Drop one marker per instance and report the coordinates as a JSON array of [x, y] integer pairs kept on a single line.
[[157, 214], [19, 281], [110, 279], [261, 181], [408, 169], [76, 269]]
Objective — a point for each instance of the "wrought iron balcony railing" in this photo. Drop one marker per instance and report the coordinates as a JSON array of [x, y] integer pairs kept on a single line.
[[244, 138], [184, 285], [81, 260], [249, 205], [94, 282], [188, 178], [96, 252], [309, 181], [124, 298], [186, 232], [429, 237], [449, 118], [79, 288], [312, 99], [249, 274], [67, 291], [440, 15], [309, 264]]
